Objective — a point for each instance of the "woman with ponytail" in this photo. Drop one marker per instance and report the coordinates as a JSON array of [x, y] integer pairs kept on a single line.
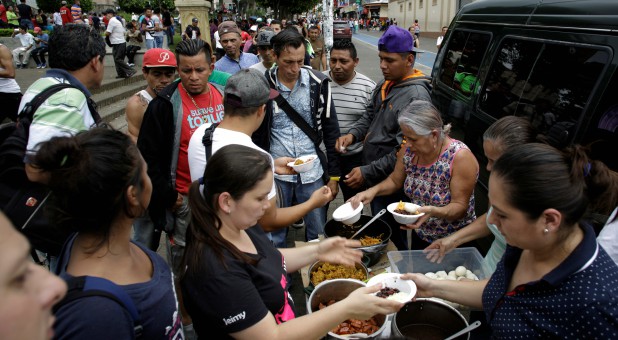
[[235, 283], [99, 186], [554, 280]]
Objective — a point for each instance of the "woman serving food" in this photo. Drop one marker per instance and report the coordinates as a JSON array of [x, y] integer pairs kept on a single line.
[[554, 281], [437, 172], [235, 284]]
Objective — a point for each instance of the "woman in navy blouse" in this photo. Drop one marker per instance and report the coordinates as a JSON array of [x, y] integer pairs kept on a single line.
[[554, 280]]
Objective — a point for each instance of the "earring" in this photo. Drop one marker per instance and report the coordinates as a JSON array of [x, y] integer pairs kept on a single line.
[[545, 231]]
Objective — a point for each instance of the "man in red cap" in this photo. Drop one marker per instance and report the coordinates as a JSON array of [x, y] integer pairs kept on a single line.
[[159, 68]]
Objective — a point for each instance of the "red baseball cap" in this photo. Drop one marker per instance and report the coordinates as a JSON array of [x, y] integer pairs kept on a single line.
[[159, 57]]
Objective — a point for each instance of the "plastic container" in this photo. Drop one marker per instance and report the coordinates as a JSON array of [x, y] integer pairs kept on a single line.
[[415, 261]]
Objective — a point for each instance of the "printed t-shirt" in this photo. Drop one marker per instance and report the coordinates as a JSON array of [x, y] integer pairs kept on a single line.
[[224, 300], [65, 13], [207, 109]]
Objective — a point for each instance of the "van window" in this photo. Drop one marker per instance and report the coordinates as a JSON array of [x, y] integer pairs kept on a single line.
[[464, 55], [547, 82], [601, 134]]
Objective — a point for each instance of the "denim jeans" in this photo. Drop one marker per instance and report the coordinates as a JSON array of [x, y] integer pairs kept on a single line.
[[314, 220], [158, 41], [144, 232], [150, 43], [26, 22]]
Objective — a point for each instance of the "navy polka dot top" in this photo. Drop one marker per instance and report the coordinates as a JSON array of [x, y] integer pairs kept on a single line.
[[576, 300]]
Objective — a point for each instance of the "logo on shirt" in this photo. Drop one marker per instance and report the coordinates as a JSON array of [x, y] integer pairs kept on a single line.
[[232, 319]]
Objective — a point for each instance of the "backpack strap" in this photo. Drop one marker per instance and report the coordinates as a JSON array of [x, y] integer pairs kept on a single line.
[[84, 286], [30, 108], [207, 139]]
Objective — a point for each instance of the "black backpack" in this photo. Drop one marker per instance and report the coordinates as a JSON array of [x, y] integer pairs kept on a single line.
[[21, 199]]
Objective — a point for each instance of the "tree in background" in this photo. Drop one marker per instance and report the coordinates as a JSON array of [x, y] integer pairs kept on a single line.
[[50, 6], [286, 8], [137, 6]]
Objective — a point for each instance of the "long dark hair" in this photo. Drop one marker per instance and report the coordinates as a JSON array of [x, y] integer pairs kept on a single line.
[[540, 177], [235, 169], [89, 176]]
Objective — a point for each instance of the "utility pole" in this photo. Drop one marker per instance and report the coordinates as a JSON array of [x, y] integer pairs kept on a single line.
[[327, 26]]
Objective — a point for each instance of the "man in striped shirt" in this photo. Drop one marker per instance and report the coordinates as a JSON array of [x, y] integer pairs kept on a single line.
[[65, 112], [351, 94], [76, 13]]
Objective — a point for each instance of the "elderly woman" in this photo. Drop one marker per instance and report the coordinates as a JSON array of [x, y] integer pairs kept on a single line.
[[554, 281], [499, 137], [436, 172]]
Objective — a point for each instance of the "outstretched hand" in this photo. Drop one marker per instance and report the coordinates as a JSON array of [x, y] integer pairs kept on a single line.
[[439, 248], [421, 219], [282, 168], [363, 304], [339, 250]]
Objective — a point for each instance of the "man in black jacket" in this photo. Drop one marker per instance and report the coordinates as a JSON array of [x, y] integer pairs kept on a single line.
[[378, 127], [308, 93], [169, 121]]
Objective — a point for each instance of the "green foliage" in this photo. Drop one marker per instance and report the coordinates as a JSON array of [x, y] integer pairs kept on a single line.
[[50, 6], [137, 6], [286, 8]]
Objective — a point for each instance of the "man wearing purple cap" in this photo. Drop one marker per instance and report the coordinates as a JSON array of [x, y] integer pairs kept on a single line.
[[378, 127]]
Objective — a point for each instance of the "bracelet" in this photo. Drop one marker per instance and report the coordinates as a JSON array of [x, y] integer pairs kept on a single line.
[[335, 178]]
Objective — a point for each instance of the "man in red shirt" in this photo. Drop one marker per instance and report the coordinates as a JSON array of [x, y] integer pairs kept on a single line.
[[65, 13], [3, 19], [168, 123]]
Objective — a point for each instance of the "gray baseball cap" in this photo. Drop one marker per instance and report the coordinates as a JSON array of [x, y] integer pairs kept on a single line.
[[248, 88], [263, 38]]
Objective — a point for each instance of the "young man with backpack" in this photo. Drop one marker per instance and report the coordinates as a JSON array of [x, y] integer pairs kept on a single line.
[[66, 111]]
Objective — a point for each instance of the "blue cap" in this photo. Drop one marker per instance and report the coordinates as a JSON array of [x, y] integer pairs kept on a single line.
[[396, 40]]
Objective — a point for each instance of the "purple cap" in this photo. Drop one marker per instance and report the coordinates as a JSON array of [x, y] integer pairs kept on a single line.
[[396, 40]]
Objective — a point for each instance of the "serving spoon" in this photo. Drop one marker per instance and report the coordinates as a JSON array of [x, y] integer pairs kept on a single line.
[[382, 212], [468, 329]]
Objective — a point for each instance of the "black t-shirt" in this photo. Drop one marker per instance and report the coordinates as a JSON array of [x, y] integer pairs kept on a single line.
[[190, 29], [224, 300], [25, 11], [167, 19]]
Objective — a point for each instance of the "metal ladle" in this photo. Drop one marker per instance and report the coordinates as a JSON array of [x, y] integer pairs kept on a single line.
[[468, 329], [382, 212]]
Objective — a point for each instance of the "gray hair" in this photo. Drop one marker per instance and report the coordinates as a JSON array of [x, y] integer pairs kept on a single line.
[[423, 117], [510, 131]]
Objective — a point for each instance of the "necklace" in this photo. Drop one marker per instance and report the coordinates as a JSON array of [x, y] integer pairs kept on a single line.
[[193, 100], [439, 153]]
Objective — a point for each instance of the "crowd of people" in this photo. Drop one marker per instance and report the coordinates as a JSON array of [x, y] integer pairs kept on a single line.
[[205, 160]]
